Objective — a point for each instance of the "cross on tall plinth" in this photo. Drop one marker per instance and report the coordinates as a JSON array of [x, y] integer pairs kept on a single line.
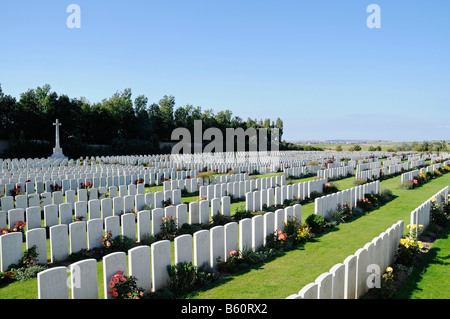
[[57, 151]]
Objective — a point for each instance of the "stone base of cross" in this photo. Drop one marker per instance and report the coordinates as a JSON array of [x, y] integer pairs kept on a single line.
[[57, 153]]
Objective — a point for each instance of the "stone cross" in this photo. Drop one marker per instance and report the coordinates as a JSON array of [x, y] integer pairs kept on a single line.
[[57, 124], [57, 151]]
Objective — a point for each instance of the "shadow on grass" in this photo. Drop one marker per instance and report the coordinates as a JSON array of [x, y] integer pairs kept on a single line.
[[431, 258]]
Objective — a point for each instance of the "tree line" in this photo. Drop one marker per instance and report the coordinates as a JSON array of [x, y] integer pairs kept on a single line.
[[119, 125]]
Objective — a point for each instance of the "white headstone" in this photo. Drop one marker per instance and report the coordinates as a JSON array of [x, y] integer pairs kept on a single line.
[[112, 263], [77, 236], [217, 247], [245, 234], [201, 249], [139, 266], [183, 248], [37, 237], [52, 283], [59, 242], [11, 249], [84, 281], [161, 258]]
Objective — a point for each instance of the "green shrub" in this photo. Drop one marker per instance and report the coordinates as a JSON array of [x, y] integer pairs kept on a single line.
[[205, 277], [166, 203], [123, 243], [183, 278], [337, 217], [330, 188], [367, 203], [220, 220], [242, 213], [251, 257], [229, 266], [147, 207], [273, 241], [316, 223], [25, 273], [439, 218], [314, 195], [95, 253], [439, 215], [386, 195], [169, 229], [409, 247], [190, 228], [148, 239]]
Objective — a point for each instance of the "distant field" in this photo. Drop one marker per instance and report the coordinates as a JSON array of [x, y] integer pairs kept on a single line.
[[365, 147]]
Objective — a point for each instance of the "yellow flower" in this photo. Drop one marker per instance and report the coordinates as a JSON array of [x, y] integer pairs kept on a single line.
[[389, 269]]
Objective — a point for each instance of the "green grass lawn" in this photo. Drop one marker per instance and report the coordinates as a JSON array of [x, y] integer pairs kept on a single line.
[[288, 273], [430, 279]]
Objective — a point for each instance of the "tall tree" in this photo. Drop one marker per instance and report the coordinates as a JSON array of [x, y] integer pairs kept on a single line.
[[122, 111], [7, 104], [143, 127], [166, 107], [279, 125]]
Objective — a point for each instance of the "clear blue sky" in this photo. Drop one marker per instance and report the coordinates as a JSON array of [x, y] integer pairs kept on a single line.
[[315, 64]]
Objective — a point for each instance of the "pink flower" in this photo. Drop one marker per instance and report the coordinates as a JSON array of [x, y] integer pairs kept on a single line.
[[233, 252]]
